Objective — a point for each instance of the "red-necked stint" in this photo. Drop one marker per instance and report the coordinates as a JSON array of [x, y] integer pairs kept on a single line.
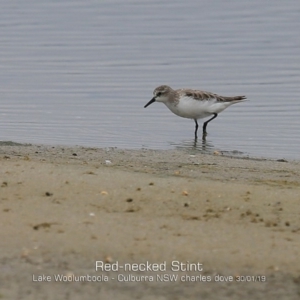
[[193, 104]]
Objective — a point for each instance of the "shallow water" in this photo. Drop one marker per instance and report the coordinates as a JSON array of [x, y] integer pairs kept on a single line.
[[79, 73]]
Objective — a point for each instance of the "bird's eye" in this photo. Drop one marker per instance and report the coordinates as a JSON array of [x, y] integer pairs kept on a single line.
[[158, 94]]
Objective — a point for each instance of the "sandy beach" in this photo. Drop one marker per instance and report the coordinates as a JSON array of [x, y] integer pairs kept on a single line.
[[63, 209]]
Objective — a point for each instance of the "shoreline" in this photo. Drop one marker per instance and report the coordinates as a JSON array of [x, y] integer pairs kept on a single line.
[[63, 208], [189, 150]]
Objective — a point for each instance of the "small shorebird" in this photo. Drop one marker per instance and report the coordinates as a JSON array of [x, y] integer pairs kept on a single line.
[[193, 104]]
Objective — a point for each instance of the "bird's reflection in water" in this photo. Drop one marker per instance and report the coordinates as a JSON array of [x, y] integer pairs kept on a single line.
[[195, 145]]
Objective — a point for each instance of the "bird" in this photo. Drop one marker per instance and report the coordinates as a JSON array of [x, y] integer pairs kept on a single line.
[[193, 104]]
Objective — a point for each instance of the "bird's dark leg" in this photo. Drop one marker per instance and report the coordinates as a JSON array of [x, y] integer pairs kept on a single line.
[[196, 129], [205, 124]]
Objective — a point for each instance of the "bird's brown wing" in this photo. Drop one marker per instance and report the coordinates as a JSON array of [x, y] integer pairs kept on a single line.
[[202, 95]]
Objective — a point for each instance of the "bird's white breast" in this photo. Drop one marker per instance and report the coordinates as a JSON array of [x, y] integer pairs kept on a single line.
[[191, 108]]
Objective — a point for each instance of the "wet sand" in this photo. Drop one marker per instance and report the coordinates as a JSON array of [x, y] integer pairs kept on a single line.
[[62, 209]]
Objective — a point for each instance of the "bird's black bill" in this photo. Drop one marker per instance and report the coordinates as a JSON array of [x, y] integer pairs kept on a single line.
[[150, 102]]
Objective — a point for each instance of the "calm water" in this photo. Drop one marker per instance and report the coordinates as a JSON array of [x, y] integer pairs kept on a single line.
[[80, 72]]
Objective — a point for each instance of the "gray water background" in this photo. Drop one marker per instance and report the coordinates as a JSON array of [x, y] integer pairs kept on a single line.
[[79, 73]]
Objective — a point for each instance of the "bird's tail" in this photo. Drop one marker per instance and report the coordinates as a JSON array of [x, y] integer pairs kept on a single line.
[[235, 98]]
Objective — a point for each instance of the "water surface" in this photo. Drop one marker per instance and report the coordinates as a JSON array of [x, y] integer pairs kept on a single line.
[[80, 72]]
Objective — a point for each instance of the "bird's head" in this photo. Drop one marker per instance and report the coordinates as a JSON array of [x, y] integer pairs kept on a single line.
[[160, 94]]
